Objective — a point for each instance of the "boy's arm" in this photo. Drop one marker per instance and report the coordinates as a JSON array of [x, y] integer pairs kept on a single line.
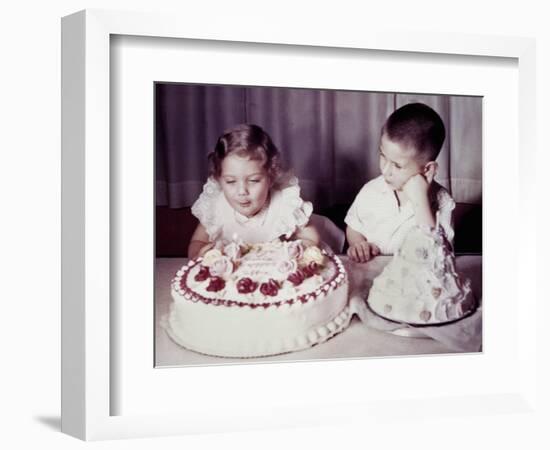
[[416, 189], [354, 237], [423, 212], [200, 242], [360, 250]]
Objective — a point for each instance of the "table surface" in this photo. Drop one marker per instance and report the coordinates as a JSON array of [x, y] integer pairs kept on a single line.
[[356, 341]]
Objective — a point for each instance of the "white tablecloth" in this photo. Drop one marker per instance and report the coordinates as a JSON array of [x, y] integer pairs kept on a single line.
[[360, 339]]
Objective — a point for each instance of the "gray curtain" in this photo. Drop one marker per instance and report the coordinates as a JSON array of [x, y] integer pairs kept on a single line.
[[328, 138]]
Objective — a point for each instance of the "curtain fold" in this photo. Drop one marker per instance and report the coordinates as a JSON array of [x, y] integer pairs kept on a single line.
[[466, 148], [328, 138], [189, 120]]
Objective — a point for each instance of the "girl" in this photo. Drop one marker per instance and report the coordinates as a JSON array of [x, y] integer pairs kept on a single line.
[[246, 196]]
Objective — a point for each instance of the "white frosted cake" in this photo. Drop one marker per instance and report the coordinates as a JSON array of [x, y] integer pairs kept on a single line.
[[420, 284], [264, 299]]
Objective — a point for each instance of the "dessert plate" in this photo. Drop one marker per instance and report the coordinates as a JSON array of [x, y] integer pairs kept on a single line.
[[423, 325]]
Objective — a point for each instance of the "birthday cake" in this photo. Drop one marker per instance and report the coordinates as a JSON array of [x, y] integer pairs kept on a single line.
[[258, 300], [420, 285]]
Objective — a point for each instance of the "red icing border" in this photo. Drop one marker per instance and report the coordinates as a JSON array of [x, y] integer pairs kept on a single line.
[[179, 284]]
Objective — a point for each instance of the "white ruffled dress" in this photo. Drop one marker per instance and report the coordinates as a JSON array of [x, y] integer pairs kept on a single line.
[[283, 215]]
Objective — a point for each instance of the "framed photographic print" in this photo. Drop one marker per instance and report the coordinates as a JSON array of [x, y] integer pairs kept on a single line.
[[147, 98], [331, 142]]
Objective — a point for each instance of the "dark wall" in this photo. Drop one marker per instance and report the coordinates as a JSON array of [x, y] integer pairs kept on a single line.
[[174, 227]]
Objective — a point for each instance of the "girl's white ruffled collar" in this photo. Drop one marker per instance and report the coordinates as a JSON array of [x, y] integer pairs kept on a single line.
[[288, 212]]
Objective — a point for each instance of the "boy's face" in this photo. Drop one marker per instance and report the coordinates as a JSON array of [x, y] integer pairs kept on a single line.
[[245, 184], [398, 163]]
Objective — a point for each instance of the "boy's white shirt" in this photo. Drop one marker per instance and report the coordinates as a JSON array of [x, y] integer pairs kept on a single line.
[[376, 214], [283, 215]]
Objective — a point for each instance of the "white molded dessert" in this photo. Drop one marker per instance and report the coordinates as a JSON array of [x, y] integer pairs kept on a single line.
[[420, 284], [265, 299]]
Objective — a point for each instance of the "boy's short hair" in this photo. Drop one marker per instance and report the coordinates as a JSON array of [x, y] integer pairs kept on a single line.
[[417, 126]]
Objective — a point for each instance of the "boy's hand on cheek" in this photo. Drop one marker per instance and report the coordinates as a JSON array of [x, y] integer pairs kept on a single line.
[[416, 188], [363, 251]]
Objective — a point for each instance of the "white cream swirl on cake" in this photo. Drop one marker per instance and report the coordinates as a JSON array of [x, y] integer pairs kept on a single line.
[[420, 284], [258, 300]]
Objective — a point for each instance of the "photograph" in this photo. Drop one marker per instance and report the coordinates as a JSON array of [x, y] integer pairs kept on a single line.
[[312, 224], [296, 224]]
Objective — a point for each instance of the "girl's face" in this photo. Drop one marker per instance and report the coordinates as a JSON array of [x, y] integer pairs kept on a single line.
[[245, 184], [397, 163]]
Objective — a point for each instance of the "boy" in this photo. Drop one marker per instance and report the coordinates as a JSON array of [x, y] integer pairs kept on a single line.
[[404, 195]]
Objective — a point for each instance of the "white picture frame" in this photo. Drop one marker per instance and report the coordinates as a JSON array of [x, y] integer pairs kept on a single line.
[[88, 383]]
